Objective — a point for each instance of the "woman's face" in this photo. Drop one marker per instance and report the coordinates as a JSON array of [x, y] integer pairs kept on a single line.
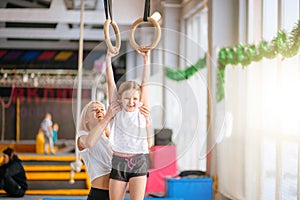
[[95, 114], [5, 158], [130, 100]]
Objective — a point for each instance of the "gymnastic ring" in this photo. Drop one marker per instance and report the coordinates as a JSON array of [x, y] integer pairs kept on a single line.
[[107, 38], [155, 41]]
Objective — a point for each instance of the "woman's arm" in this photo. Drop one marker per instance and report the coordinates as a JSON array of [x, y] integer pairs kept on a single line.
[[15, 167], [50, 130], [145, 77], [112, 89], [88, 141]]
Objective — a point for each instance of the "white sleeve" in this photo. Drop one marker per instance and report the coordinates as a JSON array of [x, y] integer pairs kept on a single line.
[[78, 135]]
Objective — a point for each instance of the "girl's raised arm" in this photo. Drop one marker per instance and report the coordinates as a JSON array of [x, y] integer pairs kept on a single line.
[[112, 89], [145, 77]]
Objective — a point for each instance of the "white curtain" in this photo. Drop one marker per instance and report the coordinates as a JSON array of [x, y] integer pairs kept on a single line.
[[188, 120], [258, 156], [185, 115]]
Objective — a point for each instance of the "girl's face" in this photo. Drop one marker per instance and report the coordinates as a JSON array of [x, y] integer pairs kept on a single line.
[[95, 114], [130, 100]]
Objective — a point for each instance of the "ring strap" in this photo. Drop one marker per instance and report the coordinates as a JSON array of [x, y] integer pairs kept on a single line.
[[108, 9], [146, 10], [109, 21]]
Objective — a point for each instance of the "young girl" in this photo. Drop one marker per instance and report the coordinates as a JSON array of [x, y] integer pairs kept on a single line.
[[55, 128], [129, 136], [94, 147]]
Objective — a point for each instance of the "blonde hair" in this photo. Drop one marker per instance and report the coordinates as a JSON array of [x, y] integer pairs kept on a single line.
[[83, 117], [129, 85]]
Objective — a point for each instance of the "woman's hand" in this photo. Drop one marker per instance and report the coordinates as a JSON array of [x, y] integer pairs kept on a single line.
[[112, 110], [146, 112]]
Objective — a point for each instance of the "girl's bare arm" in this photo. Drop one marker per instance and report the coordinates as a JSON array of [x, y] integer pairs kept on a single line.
[[112, 89], [145, 77]]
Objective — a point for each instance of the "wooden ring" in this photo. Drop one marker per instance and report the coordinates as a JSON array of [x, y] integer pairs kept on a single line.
[[112, 48], [156, 39]]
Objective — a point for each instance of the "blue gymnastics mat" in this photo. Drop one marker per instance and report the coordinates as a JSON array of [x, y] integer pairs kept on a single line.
[[70, 198], [159, 198], [67, 198]]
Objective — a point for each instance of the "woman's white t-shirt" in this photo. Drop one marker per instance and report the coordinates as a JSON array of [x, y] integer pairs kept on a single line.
[[97, 158], [128, 132]]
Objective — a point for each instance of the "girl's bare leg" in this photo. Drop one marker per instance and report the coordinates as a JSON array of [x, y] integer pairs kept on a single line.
[[137, 186], [117, 189]]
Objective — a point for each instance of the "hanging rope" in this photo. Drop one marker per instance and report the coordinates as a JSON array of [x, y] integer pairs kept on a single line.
[[109, 20], [76, 165], [3, 111], [145, 18]]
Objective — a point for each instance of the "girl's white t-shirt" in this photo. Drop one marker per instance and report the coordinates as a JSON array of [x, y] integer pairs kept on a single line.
[[97, 158], [128, 132]]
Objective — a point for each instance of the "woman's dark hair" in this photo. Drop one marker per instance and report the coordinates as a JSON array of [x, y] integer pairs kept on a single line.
[[8, 151]]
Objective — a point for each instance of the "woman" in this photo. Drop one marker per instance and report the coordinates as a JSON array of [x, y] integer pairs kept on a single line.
[[12, 174], [94, 147]]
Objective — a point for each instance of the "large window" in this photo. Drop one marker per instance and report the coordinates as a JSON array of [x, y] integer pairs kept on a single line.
[[259, 158], [195, 47], [281, 152]]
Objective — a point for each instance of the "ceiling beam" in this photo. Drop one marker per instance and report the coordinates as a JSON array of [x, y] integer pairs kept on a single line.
[[58, 34], [25, 4], [57, 45], [51, 34], [125, 13]]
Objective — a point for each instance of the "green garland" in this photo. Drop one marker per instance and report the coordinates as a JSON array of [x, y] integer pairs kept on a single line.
[[285, 45], [184, 74]]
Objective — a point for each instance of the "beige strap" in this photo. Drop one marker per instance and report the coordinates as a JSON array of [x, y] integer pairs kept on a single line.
[[107, 38], [156, 39]]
